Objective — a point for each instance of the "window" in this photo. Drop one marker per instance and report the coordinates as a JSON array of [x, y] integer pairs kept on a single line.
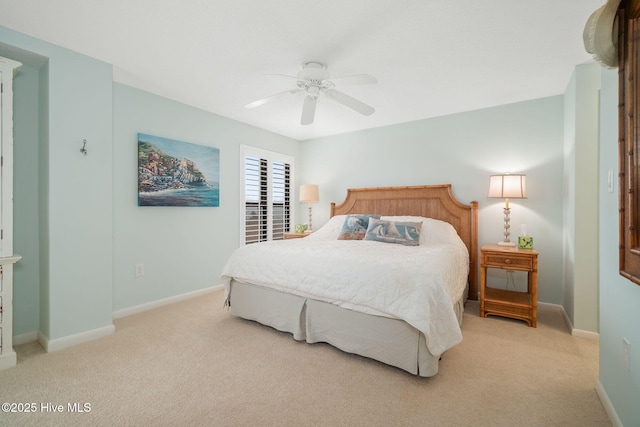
[[266, 184]]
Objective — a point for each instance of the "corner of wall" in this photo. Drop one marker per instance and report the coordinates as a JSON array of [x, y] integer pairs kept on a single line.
[[580, 219]]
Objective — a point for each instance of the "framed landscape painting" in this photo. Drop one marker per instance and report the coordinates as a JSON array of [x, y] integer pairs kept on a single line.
[[177, 173]]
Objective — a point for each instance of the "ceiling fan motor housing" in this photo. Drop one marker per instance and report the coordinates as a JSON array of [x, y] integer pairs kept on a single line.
[[313, 79], [314, 71]]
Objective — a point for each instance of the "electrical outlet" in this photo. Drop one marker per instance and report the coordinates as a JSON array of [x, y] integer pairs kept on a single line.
[[626, 354], [139, 270]]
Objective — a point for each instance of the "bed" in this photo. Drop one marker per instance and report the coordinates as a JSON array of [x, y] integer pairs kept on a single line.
[[400, 304]]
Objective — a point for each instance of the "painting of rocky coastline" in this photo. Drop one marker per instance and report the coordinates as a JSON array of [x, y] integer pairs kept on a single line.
[[176, 173]]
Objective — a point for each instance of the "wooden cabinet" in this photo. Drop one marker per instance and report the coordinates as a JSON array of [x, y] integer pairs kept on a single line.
[[505, 302], [8, 68]]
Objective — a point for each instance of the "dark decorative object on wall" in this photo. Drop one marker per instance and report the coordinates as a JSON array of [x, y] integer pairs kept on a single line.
[[176, 173]]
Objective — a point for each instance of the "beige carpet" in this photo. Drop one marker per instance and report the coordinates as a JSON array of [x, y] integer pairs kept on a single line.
[[191, 363]]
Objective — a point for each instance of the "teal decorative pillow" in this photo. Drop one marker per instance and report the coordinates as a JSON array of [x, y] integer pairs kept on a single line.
[[355, 227], [401, 232]]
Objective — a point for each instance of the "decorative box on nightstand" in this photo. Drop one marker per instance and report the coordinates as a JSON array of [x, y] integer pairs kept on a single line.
[[504, 302]]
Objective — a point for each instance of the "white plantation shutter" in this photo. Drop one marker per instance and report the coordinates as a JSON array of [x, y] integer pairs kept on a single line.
[[255, 200], [281, 198], [266, 183]]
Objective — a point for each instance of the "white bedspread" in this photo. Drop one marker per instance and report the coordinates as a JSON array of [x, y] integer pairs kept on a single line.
[[417, 284]]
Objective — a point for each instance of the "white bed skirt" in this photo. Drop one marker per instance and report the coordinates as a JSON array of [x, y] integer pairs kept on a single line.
[[390, 341]]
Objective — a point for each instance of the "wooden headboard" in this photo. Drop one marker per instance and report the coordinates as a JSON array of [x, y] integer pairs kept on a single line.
[[430, 201]]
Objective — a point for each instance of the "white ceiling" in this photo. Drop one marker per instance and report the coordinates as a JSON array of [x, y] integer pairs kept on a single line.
[[431, 57]]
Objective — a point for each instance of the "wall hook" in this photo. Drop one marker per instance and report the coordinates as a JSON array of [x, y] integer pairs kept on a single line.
[[83, 150]]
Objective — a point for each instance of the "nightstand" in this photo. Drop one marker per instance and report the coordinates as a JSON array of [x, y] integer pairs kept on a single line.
[[294, 235], [509, 303]]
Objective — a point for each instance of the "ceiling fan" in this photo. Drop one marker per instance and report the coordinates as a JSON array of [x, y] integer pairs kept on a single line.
[[313, 79]]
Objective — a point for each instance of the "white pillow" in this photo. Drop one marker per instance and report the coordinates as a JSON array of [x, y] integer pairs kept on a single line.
[[433, 231], [330, 230]]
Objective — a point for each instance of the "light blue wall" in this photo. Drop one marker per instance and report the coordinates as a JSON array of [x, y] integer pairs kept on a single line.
[[90, 233], [43, 198], [580, 189], [619, 297], [77, 221], [182, 249], [80, 187], [462, 149], [26, 295], [79, 236], [568, 201], [74, 197]]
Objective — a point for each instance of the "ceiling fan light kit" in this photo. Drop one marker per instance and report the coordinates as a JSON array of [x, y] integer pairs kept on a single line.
[[314, 79]]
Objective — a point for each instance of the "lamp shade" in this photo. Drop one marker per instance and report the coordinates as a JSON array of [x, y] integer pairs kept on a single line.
[[309, 193], [508, 186]]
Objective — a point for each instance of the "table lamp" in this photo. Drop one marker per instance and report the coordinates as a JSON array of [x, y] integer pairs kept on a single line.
[[507, 186], [309, 194]]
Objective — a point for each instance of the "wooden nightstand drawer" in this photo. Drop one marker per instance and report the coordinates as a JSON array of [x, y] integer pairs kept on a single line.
[[294, 235], [508, 261]]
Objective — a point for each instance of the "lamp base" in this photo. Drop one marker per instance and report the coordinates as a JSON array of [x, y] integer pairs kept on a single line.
[[309, 227], [507, 244]]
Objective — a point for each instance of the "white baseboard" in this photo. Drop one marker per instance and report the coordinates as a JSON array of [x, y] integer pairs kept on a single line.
[[585, 334], [574, 332], [159, 303], [25, 338], [608, 406], [546, 306], [71, 340]]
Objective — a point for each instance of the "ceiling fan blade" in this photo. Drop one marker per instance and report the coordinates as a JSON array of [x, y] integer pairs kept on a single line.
[[263, 101], [350, 102], [358, 79], [283, 75], [308, 110]]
